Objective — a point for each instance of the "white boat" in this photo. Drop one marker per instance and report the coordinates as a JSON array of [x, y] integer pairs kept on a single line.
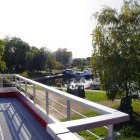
[[82, 81]]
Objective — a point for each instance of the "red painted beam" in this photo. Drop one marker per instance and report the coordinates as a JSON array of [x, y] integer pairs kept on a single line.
[[8, 95]]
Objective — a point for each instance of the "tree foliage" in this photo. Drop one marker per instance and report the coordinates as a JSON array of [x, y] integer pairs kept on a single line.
[[51, 62], [2, 63], [15, 54], [37, 59], [63, 56], [30, 58], [80, 63], [18, 56], [116, 45]]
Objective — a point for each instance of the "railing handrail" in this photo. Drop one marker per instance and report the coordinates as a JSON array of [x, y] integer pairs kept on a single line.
[[97, 107], [93, 122], [110, 116]]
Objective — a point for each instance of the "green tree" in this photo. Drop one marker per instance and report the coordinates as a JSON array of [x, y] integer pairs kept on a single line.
[[116, 45], [80, 63], [2, 63], [50, 62], [63, 56], [30, 56], [39, 60], [58, 65], [15, 54]]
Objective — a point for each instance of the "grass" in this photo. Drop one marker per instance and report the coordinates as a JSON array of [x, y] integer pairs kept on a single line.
[[95, 96], [129, 130], [87, 114], [101, 132], [126, 138], [136, 106]]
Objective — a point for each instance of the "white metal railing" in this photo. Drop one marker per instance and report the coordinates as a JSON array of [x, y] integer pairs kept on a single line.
[[35, 90]]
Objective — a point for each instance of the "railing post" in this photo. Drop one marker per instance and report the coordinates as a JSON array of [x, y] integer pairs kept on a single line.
[[12, 80], [2, 80], [110, 132], [68, 109], [26, 88], [47, 103], [19, 84], [15, 81], [34, 93]]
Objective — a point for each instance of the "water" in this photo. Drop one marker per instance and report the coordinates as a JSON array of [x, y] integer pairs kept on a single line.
[[57, 82]]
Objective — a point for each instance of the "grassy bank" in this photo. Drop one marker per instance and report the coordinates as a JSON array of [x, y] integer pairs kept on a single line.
[[129, 130], [95, 96]]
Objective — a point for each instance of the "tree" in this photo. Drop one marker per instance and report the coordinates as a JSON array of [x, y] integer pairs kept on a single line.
[[15, 54], [58, 65], [39, 60], [51, 62], [30, 56], [63, 56], [2, 63], [116, 44], [80, 63]]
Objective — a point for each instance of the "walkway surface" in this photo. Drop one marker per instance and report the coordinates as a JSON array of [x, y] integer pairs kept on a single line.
[[16, 123]]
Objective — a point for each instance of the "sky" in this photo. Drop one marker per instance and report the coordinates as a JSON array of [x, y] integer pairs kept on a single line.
[[53, 23]]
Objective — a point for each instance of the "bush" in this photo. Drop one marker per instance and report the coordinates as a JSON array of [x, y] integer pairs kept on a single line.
[[128, 131]]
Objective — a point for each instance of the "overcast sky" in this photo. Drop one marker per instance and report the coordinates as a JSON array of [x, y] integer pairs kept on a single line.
[[53, 23]]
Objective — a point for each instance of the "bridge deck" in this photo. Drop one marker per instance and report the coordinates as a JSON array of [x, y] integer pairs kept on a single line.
[[16, 123]]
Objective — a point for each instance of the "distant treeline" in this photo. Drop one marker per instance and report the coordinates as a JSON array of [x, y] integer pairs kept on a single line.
[[17, 56]]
